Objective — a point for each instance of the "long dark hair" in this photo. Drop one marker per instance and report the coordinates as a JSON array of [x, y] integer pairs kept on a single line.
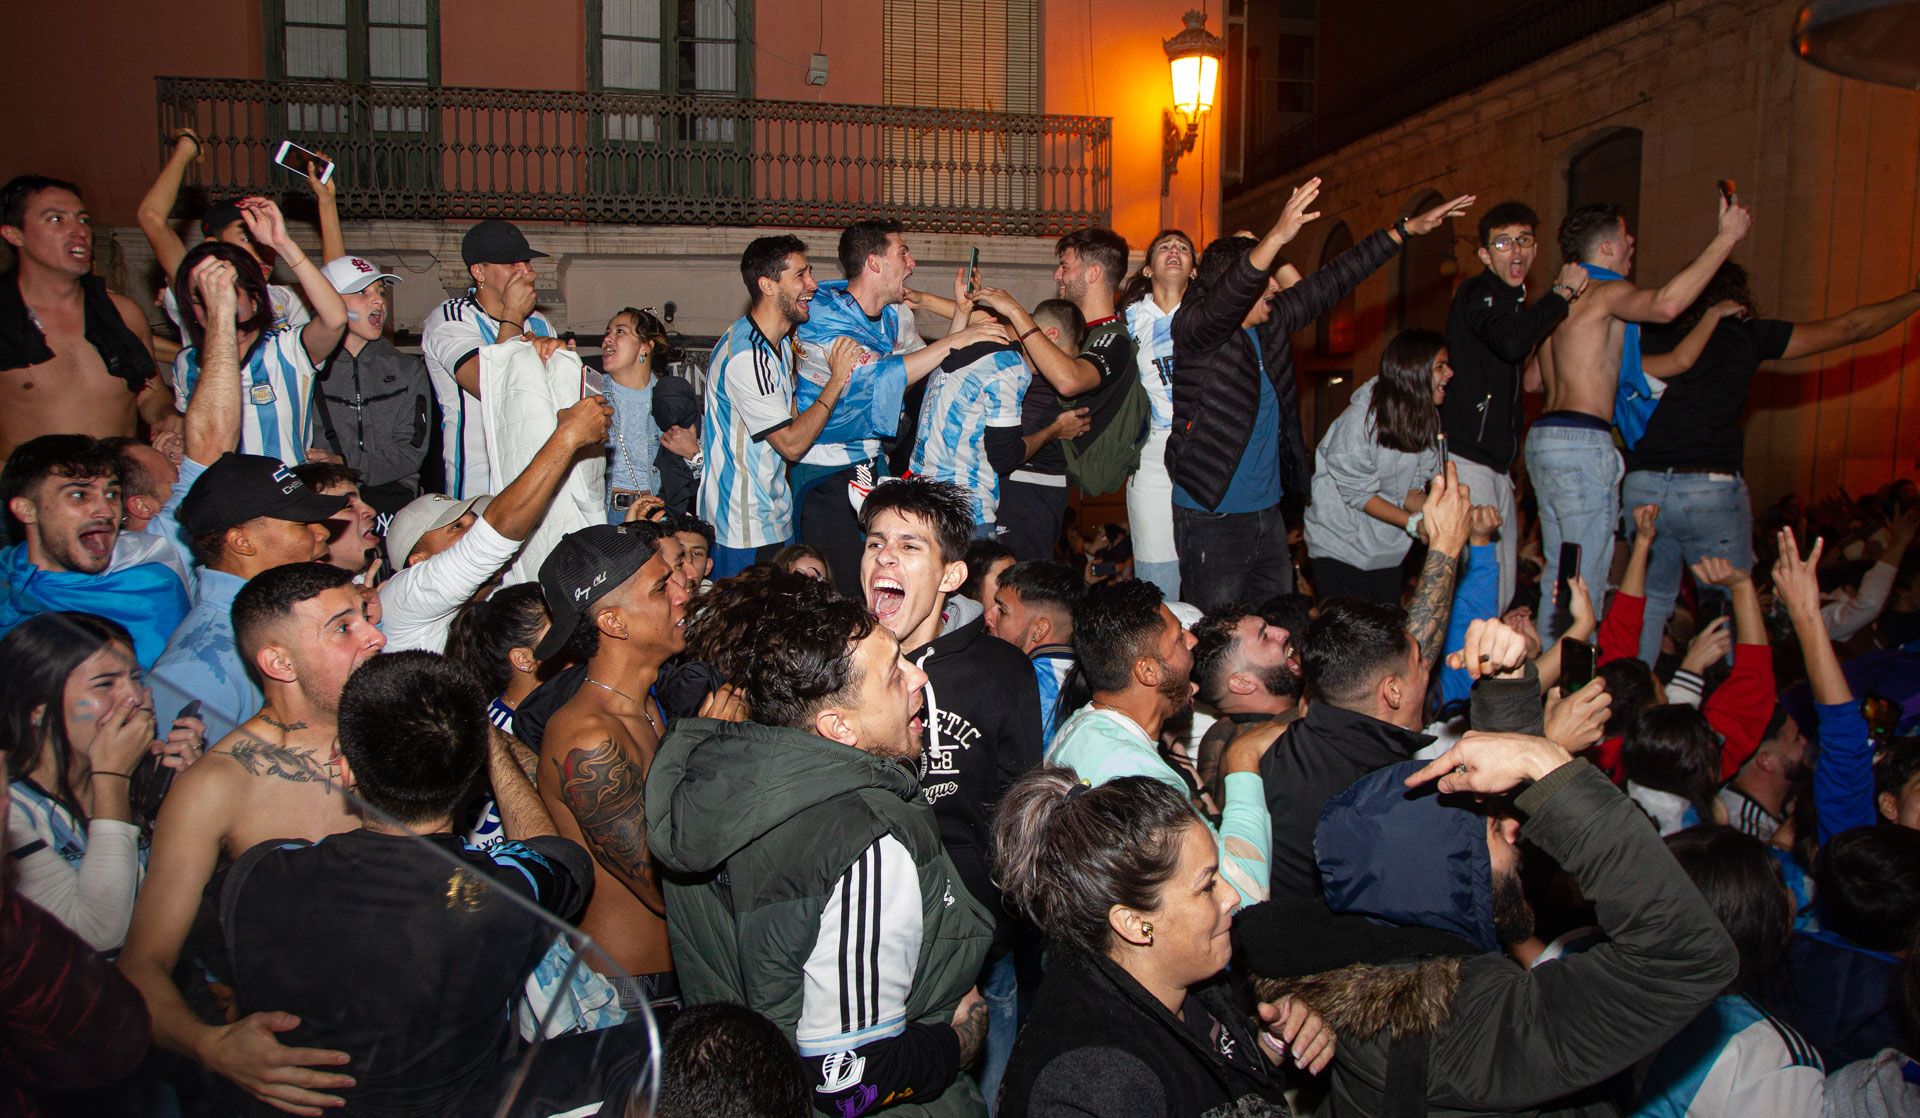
[[484, 634], [1742, 883], [247, 273], [1066, 855], [1402, 410], [40, 654], [1672, 749], [1729, 282], [1139, 285]]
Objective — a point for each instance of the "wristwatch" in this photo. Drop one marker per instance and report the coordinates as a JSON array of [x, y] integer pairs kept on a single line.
[[1400, 226], [1413, 524]]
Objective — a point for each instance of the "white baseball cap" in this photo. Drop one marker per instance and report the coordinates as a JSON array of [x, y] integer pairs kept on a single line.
[[349, 274], [422, 515]]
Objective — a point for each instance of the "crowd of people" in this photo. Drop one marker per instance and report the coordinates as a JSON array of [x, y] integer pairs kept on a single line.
[[787, 744]]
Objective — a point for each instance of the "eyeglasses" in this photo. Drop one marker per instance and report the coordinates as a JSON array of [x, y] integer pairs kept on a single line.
[[1506, 242]]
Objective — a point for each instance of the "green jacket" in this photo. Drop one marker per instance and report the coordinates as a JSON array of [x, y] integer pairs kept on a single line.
[[757, 826]]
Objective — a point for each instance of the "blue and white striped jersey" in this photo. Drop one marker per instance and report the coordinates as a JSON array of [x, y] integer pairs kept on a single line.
[[871, 400], [451, 334], [276, 395], [1152, 330], [959, 406], [744, 492], [1734, 1061], [1052, 664]]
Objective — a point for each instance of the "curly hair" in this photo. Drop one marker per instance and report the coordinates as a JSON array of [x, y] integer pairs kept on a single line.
[[786, 640]]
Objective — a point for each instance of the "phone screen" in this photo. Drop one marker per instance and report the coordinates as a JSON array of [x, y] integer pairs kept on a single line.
[[1576, 665], [1440, 440], [297, 159], [973, 265], [1569, 566], [593, 382]]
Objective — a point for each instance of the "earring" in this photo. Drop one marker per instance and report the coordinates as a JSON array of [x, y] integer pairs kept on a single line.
[[1146, 929]]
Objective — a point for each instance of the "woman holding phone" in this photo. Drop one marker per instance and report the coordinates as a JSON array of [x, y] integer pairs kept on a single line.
[[1371, 470], [630, 352], [77, 720]]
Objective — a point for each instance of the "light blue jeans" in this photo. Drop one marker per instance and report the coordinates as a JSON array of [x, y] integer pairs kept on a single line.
[[1002, 995], [1700, 515], [1576, 476]]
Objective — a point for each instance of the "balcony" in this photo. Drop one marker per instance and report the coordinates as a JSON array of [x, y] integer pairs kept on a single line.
[[633, 159], [1514, 40]]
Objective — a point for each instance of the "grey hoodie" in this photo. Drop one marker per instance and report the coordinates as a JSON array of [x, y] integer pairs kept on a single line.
[[1350, 467]]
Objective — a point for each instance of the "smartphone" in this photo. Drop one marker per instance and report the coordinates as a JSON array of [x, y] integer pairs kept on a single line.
[[1440, 440], [593, 382], [1569, 566], [1576, 665], [191, 710], [973, 266], [1727, 191], [297, 159]]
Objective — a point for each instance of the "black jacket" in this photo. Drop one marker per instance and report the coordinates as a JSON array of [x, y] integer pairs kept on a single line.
[[675, 404], [1329, 748], [23, 345], [1490, 332], [1496, 1038], [1216, 386], [983, 713], [376, 410], [1097, 1043]]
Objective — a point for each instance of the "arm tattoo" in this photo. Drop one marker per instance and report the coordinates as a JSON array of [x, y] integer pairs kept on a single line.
[[605, 791], [261, 758], [1432, 601], [972, 1030]]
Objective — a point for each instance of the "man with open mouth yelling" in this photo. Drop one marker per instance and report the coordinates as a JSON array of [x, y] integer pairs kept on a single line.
[[982, 700], [373, 405]]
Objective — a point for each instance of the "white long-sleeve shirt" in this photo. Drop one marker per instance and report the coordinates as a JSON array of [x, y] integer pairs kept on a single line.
[[418, 604], [86, 879], [1847, 612]]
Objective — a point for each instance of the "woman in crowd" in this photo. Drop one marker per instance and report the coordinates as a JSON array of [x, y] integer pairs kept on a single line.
[[1672, 761], [277, 366], [631, 353], [1735, 1059], [78, 719], [1370, 472], [805, 559], [495, 639], [1149, 300], [1135, 1015]]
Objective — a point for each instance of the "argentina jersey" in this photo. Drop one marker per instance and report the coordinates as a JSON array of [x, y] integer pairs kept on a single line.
[[849, 437], [452, 333], [276, 395], [960, 405], [743, 492], [1152, 330], [1051, 666]]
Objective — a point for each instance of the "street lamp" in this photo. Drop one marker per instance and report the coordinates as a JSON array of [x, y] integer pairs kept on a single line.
[[1861, 39], [1194, 56]]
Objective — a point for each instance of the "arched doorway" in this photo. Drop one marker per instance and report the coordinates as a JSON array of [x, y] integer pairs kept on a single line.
[[1427, 270]]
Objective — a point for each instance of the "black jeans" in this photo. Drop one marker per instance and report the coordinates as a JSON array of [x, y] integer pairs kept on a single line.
[[827, 521], [1334, 579], [1030, 517], [1232, 556]]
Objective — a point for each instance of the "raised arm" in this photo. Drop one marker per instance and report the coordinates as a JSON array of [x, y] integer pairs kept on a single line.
[[332, 244], [321, 336], [1857, 325], [518, 509], [1843, 775], [1684, 356], [212, 425], [1069, 374], [1668, 301], [155, 213], [1444, 527]]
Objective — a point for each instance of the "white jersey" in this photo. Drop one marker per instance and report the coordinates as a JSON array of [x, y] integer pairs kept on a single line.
[[1152, 330], [744, 492], [276, 395], [959, 407], [451, 334]]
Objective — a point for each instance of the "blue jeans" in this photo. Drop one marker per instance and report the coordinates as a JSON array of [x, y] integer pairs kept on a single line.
[[1002, 995], [730, 561], [1700, 515], [1576, 476], [1164, 575]]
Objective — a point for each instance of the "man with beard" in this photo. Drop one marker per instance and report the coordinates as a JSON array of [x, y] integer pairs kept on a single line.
[[1425, 890], [870, 307], [838, 915], [1248, 669], [1761, 793], [750, 422], [618, 600], [303, 628], [1139, 663], [63, 503]]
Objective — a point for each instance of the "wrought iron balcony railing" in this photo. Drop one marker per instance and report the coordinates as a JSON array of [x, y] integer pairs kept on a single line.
[[421, 152]]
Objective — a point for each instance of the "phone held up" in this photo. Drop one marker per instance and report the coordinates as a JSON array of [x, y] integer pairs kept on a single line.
[[1576, 665], [1569, 567], [298, 160]]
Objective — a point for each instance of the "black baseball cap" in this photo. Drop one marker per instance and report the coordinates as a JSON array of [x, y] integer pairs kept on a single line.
[[243, 487], [218, 217], [496, 242], [580, 570]]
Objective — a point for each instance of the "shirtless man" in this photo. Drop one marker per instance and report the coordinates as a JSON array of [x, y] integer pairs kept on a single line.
[[73, 356], [1575, 469], [304, 628], [617, 596]]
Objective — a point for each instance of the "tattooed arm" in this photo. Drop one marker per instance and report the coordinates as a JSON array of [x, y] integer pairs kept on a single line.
[[1444, 526], [604, 787], [511, 771]]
